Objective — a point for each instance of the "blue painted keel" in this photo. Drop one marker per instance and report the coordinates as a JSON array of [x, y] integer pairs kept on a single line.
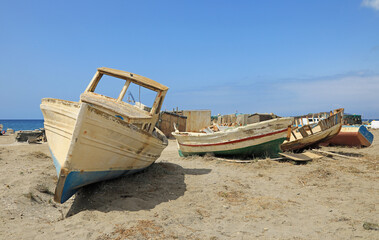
[[366, 134], [78, 179], [56, 163]]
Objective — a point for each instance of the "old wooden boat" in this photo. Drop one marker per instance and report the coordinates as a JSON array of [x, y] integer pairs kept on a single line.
[[260, 139], [353, 136], [324, 127], [100, 137]]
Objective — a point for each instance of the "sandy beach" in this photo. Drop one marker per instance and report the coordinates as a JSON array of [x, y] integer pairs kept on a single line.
[[194, 198]]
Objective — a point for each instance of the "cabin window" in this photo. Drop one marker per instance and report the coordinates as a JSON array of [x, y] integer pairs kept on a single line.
[[137, 94], [110, 86]]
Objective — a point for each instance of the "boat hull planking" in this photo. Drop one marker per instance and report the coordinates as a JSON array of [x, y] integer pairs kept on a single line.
[[94, 146], [254, 140]]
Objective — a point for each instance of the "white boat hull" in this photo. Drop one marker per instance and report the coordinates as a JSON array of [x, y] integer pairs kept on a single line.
[[257, 139], [90, 145]]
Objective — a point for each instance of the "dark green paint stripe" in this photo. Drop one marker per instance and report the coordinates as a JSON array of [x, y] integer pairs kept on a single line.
[[267, 149]]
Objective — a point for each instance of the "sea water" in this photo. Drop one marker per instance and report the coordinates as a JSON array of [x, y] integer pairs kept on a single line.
[[21, 124]]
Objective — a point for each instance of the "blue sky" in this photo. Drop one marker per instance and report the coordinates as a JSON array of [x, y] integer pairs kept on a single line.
[[285, 57]]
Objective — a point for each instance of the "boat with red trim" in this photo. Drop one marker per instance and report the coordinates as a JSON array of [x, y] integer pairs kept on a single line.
[[260, 139]]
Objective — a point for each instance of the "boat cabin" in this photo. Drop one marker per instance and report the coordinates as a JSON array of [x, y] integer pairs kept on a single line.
[[139, 115]]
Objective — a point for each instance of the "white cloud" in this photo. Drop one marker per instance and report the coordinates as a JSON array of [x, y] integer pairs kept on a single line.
[[371, 3], [356, 93]]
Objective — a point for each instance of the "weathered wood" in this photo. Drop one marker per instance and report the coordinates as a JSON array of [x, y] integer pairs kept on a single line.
[[121, 108], [248, 161], [335, 154], [312, 155], [123, 91], [309, 128], [167, 121], [324, 130], [296, 156], [294, 135], [303, 132], [135, 78], [95, 80], [101, 137], [289, 132]]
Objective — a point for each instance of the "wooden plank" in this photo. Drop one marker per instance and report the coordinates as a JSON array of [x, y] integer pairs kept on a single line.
[[135, 78], [335, 154], [303, 132], [249, 161], [309, 128], [289, 131], [312, 155], [296, 156], [294, 135], [95, 80], [123, 91]]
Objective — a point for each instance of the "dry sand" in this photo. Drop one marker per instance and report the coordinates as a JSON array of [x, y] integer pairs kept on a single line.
[[194, 198]]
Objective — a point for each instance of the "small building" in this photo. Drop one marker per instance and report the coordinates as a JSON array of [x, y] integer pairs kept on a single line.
[[260, 117], [242, 119], [196, 119], [227, 119], [168, 119]]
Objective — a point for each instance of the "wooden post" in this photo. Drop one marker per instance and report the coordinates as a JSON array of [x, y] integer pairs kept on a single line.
[[123, 91], [289, 131], [95, 80], [156, 102]]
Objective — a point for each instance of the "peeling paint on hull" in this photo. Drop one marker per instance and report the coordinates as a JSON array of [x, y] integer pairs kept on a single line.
[[89, 147]]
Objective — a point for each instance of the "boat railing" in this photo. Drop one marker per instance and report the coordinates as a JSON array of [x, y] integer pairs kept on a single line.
[[331, 120], [335, 117]]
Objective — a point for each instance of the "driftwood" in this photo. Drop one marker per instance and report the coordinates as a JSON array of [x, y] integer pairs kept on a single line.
[[334, 154], [249, 161], [301, 157]]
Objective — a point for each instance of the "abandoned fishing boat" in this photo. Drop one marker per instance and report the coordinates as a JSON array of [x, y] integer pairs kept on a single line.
[[260, 139], [307, 133], [352, 133], [100, 137], [353, 136]]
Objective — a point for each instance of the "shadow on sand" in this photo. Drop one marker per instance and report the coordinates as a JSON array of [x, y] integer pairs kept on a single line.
[[161, 182]]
